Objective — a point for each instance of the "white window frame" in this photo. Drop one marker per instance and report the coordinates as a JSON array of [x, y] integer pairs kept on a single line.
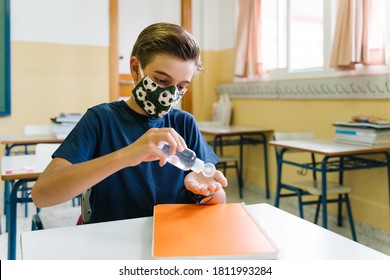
[[330, 9]]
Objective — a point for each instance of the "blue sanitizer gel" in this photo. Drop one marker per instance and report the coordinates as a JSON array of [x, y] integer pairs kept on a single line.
[[187, 160]]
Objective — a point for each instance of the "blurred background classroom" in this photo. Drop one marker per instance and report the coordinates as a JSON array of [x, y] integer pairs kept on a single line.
[[65, 56]]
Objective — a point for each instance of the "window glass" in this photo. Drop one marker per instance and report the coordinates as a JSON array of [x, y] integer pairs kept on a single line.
[[269, 34], [293, 31], [387, 7], [306, 34], [296, 36]]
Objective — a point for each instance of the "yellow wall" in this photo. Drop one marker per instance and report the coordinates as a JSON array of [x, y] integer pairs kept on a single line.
[[218, 69], [370, 194], [47, 79]]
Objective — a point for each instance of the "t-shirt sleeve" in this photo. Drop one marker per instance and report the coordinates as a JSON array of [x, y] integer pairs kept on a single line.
[[80, 144]]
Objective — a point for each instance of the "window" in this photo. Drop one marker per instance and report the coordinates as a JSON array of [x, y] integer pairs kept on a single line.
[[306, 34], [387, 8], [296, 36], [293, 34]]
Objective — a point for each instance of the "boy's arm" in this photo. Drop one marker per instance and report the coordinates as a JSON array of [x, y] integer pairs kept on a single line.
[[63, 180]]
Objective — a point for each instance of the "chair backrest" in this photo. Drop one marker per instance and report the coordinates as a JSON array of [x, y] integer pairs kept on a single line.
[[31, 130], [45, 150], [293, 135]]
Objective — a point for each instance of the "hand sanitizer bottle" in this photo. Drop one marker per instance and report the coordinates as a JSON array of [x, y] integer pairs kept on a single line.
[[187, 160]]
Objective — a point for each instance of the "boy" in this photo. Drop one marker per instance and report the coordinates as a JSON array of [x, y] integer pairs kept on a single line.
[[115, 147]]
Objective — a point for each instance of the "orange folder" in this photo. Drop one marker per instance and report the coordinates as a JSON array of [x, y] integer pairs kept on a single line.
[[221, 231]]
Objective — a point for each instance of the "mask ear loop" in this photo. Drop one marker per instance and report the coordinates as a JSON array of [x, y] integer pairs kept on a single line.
[[141, 72]]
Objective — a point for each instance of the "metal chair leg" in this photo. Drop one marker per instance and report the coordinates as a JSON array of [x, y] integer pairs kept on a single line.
[[239, 180], [350, 218], [300, 204], [278, 181], [317, 210], [340, 210], [25, 198]]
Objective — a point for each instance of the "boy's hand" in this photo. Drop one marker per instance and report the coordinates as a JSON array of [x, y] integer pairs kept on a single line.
[[146, 147], [200, 184]]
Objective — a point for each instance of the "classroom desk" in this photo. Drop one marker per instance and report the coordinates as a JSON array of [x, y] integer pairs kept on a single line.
[[238, 135], [12, 141], [132, 239], [18, 170], [336, 157]]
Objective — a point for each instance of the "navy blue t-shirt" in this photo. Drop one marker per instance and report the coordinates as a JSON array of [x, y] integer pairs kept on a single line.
[[133, 191]]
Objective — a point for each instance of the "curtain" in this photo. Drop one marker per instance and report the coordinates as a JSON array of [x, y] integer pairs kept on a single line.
[[359, 36], [247, 57]]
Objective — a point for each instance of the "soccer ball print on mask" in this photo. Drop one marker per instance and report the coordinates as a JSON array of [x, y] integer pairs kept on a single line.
[[156, 101]]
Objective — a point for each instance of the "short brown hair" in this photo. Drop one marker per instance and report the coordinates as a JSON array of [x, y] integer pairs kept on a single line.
[[169, 39]]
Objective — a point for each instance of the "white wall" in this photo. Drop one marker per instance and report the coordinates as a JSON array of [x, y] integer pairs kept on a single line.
[[134, 16], [79, 22]]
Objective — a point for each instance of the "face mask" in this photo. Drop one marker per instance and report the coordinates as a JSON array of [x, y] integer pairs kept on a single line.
[[156, 101]]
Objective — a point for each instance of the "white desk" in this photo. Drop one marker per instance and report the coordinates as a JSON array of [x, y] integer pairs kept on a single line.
[[23, 164], [337, 157], [132, 239], [17, 170], [12, 141]]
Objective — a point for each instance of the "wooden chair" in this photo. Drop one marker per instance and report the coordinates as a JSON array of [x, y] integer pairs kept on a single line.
[[310, 186]]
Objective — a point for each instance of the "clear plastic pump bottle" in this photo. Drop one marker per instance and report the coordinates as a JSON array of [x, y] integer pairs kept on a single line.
[[187, 160]]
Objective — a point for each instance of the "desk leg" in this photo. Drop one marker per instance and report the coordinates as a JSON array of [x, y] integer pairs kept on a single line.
[[388, 174], [340, 203], [241, 164], [215, 144], [8, 149], [324, 195], [265, 151], [7, 184], [12, 217], [279, 162], [6, 196]]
